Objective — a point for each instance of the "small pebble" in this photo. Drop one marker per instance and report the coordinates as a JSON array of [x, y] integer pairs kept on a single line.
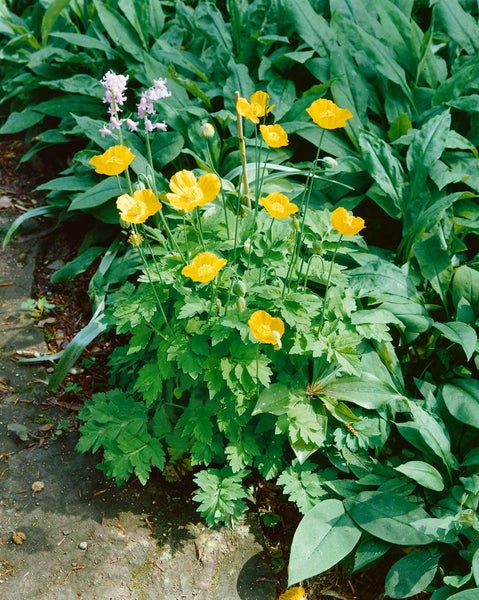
[[83, 545]]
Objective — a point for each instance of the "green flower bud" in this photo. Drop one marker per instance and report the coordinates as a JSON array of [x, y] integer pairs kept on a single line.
[[207, 130], [240, 304], [239, 288], [318, 247]]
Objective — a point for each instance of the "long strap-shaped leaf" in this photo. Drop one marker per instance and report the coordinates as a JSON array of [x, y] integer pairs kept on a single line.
[[77, 345]]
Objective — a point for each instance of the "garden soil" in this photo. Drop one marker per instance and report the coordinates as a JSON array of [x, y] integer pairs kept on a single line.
[[66, 532]]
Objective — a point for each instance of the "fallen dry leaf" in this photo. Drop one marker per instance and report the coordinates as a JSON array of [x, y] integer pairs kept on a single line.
[[18, 537], [38, 486]]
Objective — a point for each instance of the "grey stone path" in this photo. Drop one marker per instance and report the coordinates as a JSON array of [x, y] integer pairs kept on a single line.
[[81, 536]]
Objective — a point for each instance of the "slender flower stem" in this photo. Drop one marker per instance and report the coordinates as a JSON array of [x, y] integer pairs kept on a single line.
[[158, 301], [303, 209], [200, 228], [268, 236], [242, 149], [328, 283], [223, 196], [186, 238]]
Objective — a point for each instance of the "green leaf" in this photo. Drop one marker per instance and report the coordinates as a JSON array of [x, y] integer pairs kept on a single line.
[[51, 14], [83, 41], [19, 121], [465, 595], [119, 29], [310, 26], [434, 434], [424, 473], [72, 352], [388, 516], [325, 535], [475, 566], [426, 148], [78, 265], [412, 574], [39, 211], [385, 168], [461, 397], [435, 264], [221, 495], [97, 195], [459, 24], [369, 551], [275, 400], [461, 334], [465, 284]]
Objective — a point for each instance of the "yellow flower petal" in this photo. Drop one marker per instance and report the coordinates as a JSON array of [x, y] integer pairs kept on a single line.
[[295, 593], [137, 208], [255, 108], [278, 205], [210, 186], [187, 192], [113, 161], [204, 267], [328, 115], [274, 135], [265, 328], [345, 223]]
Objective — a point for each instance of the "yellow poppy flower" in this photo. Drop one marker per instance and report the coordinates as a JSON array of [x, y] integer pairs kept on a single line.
[[274, 135], [187, 192], [345, 223], [278, 205], [137, 208], [265, 328], [328, 115], [204, 267], [255, 108], [295, 593], [113, 161]]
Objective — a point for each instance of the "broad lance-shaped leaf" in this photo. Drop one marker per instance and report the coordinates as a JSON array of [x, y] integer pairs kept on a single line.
[[465, 595], [426, 148], [434, 434], [460, 333], [51, 14], [325, 535], [435, 264], [461, 397], [424, 473], [385, 169], [465, 284], [311, 27], [412, 574], [459, 24], [388, 516], [119, 29]]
